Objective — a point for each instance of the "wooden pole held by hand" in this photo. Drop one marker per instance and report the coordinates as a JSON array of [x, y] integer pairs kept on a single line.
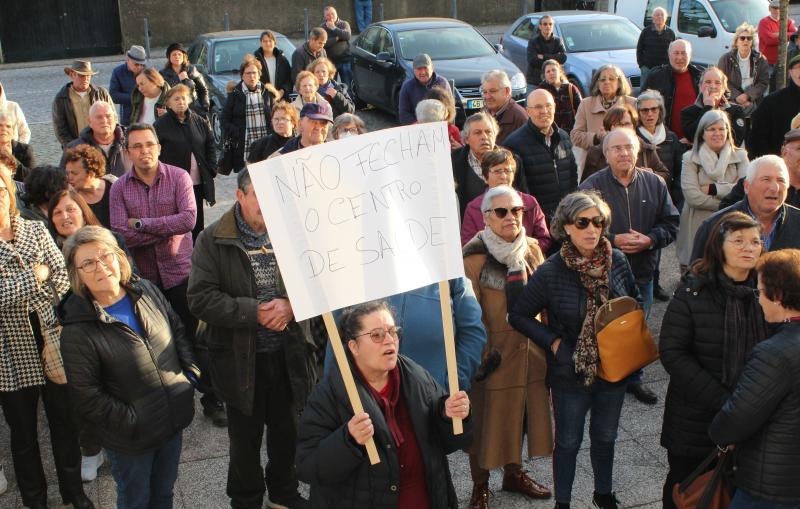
[[349, 383], [449, 347]]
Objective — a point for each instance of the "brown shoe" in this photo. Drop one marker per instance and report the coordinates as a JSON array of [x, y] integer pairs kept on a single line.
[[520, 482], [480, 496]]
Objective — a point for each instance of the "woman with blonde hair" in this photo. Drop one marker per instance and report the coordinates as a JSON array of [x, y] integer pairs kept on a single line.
[[149, 98], [306, 85], [333, 92], [747, 69]]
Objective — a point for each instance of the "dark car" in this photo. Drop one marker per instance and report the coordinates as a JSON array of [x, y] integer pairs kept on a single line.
[[591, 39], [383, 55], [218, 55]]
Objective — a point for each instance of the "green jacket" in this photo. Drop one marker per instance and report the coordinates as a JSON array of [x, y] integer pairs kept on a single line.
[[137, 102], [222, 295]]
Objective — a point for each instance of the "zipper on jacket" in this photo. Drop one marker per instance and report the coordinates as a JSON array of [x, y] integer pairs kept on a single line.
[[628, 203]]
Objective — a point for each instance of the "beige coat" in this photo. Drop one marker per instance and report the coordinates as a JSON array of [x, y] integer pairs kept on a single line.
[[698, 205], [500, 402], [589, 119]]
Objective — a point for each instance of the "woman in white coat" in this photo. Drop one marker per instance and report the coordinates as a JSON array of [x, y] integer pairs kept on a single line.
[[710, 170]]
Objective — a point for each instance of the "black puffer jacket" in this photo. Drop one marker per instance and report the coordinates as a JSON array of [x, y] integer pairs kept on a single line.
[[763, 419], [338, 469], [691, 348], [550, 172], [662, 78], [195, 82], [772, 119], [283, 71], [263, 147], [180, 140], [556, 288], [130, 388], [552, 48]]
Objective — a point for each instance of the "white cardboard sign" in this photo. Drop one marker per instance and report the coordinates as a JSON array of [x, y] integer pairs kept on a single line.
[[362, 218]]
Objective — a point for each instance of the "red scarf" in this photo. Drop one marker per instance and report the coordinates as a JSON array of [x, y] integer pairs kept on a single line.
[[387, 400]]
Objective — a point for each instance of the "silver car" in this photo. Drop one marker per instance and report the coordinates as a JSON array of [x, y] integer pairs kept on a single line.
[[591, 39]]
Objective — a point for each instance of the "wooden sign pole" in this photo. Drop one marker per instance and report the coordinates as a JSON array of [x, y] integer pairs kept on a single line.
[[349, 383], [449, 347]]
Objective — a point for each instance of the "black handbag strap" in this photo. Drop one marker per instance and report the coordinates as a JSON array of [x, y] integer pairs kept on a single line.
[[716, 477], [697, 472]]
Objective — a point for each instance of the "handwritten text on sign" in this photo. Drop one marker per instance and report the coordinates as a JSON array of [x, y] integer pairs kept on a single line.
[[362, 218]]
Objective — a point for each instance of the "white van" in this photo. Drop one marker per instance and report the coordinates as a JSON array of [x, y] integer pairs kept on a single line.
[[708, 25]]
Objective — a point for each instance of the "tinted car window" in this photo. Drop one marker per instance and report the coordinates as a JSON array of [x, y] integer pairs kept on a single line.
[[691, 16], [599, 35], [368, 41], [733, 13], [228, 54], [651, 6], [444, 44], [384, 42], [528, 29]]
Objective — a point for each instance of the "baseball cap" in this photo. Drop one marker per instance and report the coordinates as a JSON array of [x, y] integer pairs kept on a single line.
[[317, 111], [422, 60]]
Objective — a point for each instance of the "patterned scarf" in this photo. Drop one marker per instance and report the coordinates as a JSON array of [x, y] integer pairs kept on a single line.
[[593, 275], [255, 121]]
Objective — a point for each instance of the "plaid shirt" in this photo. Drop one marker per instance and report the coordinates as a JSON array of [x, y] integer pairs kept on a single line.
[[162, 248]]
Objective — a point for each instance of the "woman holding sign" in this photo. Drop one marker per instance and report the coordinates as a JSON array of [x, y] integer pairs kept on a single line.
[[499, 260], [586, 270], [406, 412]]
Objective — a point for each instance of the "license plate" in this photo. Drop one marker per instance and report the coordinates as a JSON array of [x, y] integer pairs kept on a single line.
[[474, 104]]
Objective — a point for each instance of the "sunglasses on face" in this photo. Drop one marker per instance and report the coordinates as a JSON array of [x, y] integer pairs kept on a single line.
[[502, 212], [745, 38], [583, 222]]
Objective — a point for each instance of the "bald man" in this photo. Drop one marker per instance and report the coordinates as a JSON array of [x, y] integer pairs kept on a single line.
[[546, 153]]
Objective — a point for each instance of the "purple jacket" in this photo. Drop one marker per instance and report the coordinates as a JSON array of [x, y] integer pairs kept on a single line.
[[533, 220]]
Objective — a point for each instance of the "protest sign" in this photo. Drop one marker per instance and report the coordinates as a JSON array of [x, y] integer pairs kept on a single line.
[[362, 218]]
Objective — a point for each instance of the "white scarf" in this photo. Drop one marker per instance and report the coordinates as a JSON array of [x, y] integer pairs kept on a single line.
[[715, 165], [510, 254], [657, 138]]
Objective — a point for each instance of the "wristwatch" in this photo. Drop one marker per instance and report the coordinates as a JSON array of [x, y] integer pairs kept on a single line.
[[137, 225]]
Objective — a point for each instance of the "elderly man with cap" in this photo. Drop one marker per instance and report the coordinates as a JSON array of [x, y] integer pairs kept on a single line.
[[415, 89], [769, 29], [123, 80], [315, 120], [72, 102], [773, 117]]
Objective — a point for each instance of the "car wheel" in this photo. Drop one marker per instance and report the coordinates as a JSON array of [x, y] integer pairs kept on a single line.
[[359, 104], [216, 126]]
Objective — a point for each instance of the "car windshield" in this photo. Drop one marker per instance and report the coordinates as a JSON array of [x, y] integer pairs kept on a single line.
[[733, 13], [601, 35], [228, 55], [444, 43]]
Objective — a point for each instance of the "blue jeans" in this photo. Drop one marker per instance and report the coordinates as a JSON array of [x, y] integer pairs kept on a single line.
[[744, 500], [643, 72], [146, 481], [344, 73], [646, 290], [570, 406], [363, 14]]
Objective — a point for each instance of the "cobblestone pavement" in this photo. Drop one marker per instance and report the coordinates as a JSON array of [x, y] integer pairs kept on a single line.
[[640, 465]]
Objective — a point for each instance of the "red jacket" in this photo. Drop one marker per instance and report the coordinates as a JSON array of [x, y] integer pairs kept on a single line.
[[768, 30]]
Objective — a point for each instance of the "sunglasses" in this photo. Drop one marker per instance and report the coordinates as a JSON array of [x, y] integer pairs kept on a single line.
[[745, 38], [502, 212], [583, 222]]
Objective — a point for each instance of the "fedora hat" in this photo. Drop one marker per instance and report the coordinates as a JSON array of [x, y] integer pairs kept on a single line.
[[82, 67]]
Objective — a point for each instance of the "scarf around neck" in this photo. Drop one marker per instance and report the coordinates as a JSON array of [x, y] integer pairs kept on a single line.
[[513, 255], [657, 138], [593, 275], [387, 401], [715, 165]]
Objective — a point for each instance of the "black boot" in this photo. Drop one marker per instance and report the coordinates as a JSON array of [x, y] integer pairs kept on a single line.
[[660, 294], [605, 501], [562, 505], [79, 501], [646, 396], [214, 410]]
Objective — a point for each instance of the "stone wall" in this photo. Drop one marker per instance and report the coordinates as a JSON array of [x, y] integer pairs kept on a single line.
[[182, 20]]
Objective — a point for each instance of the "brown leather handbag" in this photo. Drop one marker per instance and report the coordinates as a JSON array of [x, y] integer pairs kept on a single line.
[[705, 489], [624, 341]]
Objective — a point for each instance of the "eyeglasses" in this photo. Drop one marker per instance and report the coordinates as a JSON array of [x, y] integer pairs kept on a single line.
[[90, 266], [378, 335], [140, 146], [490, 91], [745, 37], [349, 130], [502, 212], [741, 243], [654, 109], [623, 124], [502, 171], [281, 120], [606, 79], [583, 222], [546, 106]]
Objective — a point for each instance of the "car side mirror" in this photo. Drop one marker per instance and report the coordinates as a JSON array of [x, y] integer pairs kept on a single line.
[[707, 31], [384, 57], [499, 48]]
